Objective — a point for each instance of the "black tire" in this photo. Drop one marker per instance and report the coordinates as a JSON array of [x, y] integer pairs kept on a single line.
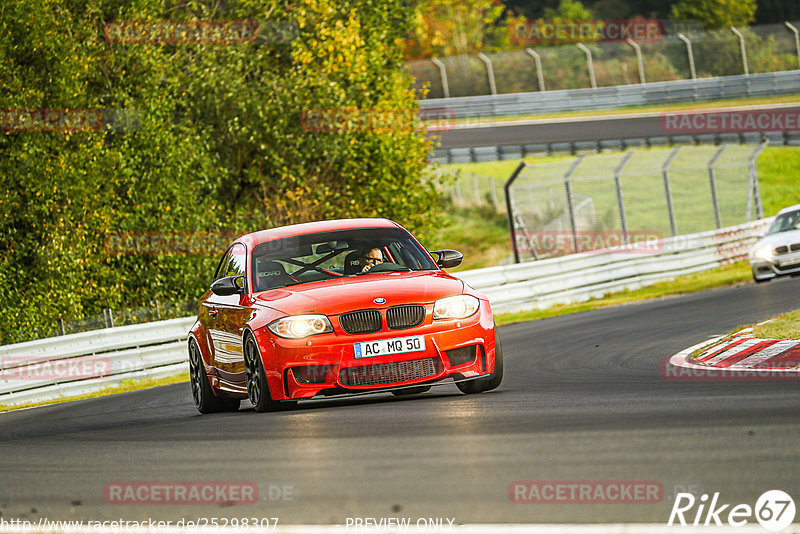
[[203, 395], [257, 386], [492, 381], [411, 391]]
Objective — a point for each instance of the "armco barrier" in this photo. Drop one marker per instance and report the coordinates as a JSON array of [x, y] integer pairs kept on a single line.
[[158, 349], [478, 154], [620, 96], [579, 277], [149, 350]]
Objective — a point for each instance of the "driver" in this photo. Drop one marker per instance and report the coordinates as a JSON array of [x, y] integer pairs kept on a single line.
[[370, 259]]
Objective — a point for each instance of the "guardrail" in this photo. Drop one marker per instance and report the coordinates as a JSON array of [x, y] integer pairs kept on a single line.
[[505, 152], [81, 363], [75, 364], [620, 96], [580, 277]]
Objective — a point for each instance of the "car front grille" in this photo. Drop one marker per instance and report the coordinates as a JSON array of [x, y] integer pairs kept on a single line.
[[388, 373], [785, 249], [361, 322], [407, 316]]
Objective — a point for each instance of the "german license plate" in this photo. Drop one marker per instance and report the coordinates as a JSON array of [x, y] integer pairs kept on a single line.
[[384, 347]]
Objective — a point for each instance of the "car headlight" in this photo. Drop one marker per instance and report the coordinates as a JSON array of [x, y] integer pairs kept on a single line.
[[300, 326], [456, 307], [765, 253]]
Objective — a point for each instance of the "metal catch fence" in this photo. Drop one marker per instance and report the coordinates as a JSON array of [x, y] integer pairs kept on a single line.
[[677, 56], [630, 199]]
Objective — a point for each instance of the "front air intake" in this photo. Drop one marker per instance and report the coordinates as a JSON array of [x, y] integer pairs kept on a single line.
[[389, 373]]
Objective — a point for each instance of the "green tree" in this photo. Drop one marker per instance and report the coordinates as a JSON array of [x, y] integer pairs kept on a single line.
[[716, 13], [453, 27], [568, 10], [220, 145]]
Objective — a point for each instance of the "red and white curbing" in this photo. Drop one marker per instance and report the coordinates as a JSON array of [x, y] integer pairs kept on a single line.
[[743, 353]]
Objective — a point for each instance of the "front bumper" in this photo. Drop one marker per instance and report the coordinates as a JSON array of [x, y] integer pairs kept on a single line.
[[782, 265], [329, 362]]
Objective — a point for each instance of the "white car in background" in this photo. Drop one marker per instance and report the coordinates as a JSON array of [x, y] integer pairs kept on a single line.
[[778, 252]]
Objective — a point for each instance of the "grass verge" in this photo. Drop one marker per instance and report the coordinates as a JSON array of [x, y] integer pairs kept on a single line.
[[126, 386], [727, 275], [479, 232], [786, 326]]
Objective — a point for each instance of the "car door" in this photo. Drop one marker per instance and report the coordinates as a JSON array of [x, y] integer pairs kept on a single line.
[[225, 316]]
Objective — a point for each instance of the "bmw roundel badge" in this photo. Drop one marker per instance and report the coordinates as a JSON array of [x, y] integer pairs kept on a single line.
[[379, 300]]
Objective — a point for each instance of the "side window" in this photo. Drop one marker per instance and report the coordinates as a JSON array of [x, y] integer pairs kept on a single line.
[[232, 262]]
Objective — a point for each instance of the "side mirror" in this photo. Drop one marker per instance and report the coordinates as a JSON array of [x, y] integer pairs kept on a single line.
[[447, 258], [228, 285]]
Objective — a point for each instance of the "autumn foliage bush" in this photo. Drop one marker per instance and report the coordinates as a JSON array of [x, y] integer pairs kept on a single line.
[[218, 143]]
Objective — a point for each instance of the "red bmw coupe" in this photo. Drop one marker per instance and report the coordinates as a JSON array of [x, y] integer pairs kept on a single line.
[[337, 307]]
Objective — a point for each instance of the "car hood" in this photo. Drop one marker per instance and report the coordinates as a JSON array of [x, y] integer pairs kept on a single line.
[[776, 240], [333, 297]]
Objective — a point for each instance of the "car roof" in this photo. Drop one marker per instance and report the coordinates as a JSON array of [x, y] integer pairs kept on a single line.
[[790, 208], [256, 238]]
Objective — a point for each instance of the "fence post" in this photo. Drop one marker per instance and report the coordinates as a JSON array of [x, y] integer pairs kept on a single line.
[[494, 193], [755, 189], [689, 53], [713, 184], [639, 61], [539, 73], [489, 72], [589, 64], [108, 317], [443, 74], [510, 209], [61, 327], [570, 206], [623, 221], [668, 191], [475, 188], [744, 50], [796, 33]]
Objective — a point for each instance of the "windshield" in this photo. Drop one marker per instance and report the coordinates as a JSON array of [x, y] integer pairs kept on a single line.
[[327, 255], [785, 222]]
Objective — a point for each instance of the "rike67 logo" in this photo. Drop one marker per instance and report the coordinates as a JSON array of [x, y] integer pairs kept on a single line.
[[774, 510]]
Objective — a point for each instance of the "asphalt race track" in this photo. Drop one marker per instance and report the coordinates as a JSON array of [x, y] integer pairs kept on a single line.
[[583, 399], [562, 130]]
